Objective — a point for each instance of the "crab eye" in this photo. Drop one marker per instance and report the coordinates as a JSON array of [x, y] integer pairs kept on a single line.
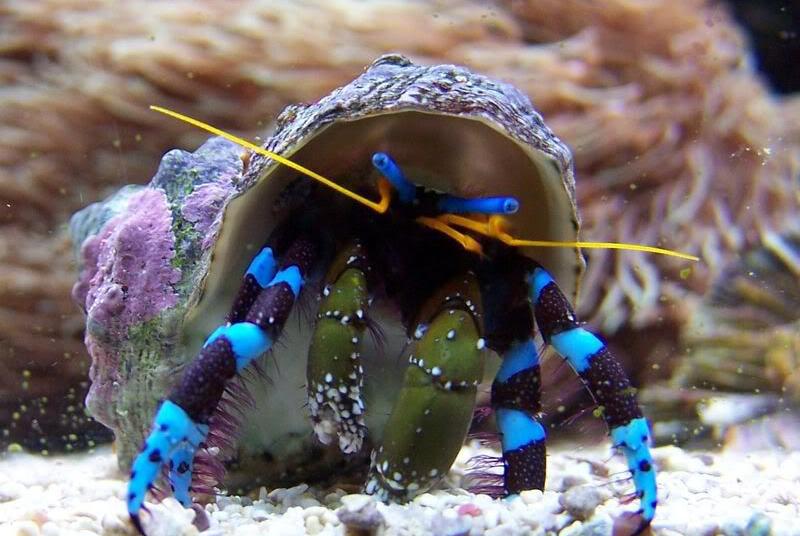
[[511, 205]]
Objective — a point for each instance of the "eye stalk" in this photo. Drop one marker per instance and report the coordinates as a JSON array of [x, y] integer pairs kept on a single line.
[[447, 204], [406, 190], [488, 206]]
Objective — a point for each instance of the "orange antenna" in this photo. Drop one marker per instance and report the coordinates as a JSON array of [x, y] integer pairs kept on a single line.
[[494, 227], [379, 207]]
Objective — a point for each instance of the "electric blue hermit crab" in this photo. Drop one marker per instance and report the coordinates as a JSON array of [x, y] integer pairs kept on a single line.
[[408, 250]]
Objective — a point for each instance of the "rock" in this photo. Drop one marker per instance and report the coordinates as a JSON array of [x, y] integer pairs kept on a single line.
[[448, 523], [758, 525], [581, 502], [25, 528], [366, 518]]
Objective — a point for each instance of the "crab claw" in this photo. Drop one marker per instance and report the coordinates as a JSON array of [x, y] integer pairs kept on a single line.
[[174, 440]]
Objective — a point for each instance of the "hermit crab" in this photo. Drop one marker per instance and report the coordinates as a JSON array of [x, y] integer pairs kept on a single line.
[[391, 283]]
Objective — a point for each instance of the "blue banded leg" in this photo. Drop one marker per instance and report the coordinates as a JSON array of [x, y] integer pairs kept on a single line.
[[260, 272], [605, 379], [181, 424], [516, 401]]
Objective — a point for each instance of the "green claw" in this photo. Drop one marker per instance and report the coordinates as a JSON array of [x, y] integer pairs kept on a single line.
[[334, 374], [434, 409]]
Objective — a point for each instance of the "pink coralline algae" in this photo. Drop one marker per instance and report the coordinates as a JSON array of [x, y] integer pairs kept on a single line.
[[143, 255], [128, 279], [203, 209], [131, 255]]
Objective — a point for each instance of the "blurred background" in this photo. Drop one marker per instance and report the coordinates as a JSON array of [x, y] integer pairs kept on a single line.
[[682, 114]]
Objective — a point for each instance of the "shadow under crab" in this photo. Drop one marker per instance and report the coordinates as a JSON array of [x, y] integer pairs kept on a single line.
[[162, 265]]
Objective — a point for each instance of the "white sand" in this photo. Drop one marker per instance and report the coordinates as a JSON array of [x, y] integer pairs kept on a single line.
[[700, 494]]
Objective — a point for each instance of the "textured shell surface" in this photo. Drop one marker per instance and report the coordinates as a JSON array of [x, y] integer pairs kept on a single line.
[[160, 263]]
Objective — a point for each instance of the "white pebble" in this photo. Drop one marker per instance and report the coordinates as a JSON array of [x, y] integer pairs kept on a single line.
[[25, 528], [112, 523], [313, 525], [316, 510], [52, 529], [233, 509], [428, 500], [259, 514], [491, 517], [10, 491], [356, 502], [696, 484]]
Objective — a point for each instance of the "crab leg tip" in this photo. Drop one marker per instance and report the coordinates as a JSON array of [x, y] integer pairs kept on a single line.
[[632, 438], [137, 523], [175, 436]]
